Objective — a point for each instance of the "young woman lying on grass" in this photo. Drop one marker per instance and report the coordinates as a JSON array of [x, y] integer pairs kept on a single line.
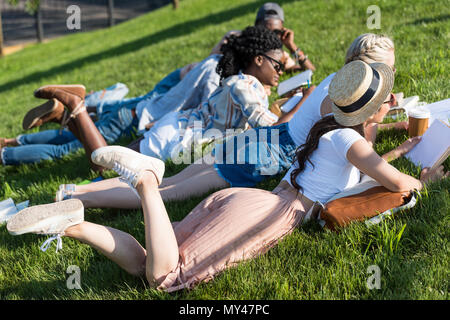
[[248, 62], [205, 175], [236, 224]]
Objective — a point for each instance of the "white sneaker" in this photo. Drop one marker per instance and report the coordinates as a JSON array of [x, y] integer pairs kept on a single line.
[[50, 219], [128, 163]]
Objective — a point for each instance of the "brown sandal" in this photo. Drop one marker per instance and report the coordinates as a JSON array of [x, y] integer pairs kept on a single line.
[[51, 110]]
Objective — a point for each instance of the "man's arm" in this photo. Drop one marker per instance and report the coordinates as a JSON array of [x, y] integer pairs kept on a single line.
[[288, 40]]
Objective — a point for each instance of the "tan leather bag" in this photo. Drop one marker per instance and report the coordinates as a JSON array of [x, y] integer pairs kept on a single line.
[[365, 200]]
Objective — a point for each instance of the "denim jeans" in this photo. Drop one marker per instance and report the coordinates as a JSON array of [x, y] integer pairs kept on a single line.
[[115, 120], [171, 80], [45, 145]]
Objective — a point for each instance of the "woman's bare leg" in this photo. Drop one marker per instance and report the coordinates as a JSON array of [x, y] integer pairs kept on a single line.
[[204, 180], [161, 254], [160, 240], [109, 193], [116, 245], [189, 172], [195, 180]]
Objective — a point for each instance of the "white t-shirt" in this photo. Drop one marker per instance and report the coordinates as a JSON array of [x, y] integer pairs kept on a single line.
[[309, 113], [332, 172]]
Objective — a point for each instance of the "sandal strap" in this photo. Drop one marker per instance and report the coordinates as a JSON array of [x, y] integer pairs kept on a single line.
[[64, 121], [78, 109], [67, 115]]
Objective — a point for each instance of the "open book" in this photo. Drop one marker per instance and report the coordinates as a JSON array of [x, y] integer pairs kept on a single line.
[[438, 110], [292, 102], [295, 82], [434, 148], [405, 105]]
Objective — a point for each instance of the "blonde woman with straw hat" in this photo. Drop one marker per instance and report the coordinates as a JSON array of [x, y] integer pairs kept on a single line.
[[236, 224]]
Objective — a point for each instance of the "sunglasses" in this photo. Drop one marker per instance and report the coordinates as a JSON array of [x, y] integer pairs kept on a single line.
[[278, 32], [278, 66], [391, 99]]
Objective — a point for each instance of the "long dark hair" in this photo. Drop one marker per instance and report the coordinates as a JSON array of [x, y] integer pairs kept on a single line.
[[239, 51], [304, 152]]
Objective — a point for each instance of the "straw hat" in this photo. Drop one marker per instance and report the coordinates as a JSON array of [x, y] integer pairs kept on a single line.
[[358, 90]]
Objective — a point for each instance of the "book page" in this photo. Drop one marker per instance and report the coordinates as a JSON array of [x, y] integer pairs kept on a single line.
[[7, 209], [439, 110], [294, 82], [434, 144], [407, 104], [292, 102]]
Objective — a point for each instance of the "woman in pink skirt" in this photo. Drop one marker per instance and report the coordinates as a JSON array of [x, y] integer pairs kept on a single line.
[[236, 224]]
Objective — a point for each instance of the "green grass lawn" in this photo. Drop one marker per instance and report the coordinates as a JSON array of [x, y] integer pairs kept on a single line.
[[309, 264]]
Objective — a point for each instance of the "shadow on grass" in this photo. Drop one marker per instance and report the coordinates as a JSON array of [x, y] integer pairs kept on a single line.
[[172, 32], [440, 18], [45, 173]]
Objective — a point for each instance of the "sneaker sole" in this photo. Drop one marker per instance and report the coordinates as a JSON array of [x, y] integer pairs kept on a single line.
[[37, 113], [33, 218]]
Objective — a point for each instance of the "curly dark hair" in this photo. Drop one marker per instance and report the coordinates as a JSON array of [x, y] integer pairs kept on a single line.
[[239, 51]]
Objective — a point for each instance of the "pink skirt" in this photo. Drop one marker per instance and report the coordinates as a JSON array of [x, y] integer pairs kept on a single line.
[[230, 226]]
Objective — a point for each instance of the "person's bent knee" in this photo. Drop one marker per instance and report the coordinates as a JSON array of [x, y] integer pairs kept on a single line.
[[156, 277], [137, 271]]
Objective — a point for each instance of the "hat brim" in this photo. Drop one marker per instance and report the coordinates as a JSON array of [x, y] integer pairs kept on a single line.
[[361, 115]]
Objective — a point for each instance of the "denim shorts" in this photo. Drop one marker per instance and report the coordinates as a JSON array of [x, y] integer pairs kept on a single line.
[[250, 157]]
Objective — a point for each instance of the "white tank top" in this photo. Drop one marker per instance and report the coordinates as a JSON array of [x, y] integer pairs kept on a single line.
[[309, 113], [332, 172]]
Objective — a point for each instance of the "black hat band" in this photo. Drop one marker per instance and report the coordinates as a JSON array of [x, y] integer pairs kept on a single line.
[[366, 97]]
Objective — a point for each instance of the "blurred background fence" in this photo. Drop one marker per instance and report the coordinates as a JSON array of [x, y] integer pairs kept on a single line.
[[18, 26]]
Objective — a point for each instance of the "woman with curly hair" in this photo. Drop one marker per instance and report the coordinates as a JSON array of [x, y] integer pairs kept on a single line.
[[249, 62]]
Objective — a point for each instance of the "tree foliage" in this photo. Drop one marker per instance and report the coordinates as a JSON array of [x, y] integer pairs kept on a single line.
[[31, 6]]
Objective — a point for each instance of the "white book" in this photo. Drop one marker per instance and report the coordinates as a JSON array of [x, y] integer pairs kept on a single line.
[[434, 147], [7, 210], [439, 111], [292, 102], [406, 104], [294, 82]]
